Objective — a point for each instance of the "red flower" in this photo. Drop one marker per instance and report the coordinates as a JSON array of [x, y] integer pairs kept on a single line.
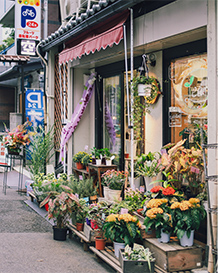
[[168, 191], [156, 189]]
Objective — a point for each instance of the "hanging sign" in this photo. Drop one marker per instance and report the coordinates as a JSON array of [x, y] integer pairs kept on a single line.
[[34, 106], [27, 26], [175, 117]]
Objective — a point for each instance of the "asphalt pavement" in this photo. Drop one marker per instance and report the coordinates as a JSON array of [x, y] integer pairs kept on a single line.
[[26, 239]]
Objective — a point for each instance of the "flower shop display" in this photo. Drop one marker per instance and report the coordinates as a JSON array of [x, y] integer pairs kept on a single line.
[[122, 229], [114, 180], [187, 216], [17, 138], [148, 166], [158, 217], [134, 198], [184, 165], [77, 158], [60, 209], [136, 259]]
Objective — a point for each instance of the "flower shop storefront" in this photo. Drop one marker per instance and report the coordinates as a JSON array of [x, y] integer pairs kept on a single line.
[[167, 139]]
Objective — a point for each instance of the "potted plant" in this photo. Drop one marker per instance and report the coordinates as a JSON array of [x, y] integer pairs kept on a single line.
[[60, 209], [86, 160], [158, 217], [97, 214], [17, 138], [77, 158], [184, 164], [113, 182], [187, 216], [136, 259], [81, 213], [122, 229], [96, 156], [148, 166]]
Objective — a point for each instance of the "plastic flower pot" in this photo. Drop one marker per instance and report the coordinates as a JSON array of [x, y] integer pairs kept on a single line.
[[59, 234], [79, 226], [79, 165], [100, 243]]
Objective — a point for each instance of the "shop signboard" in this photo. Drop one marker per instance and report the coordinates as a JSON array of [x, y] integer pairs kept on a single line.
[[34, 106], [27, 26]]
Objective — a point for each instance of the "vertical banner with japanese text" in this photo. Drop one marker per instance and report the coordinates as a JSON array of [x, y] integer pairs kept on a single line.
[[34, 106], [27, 26]]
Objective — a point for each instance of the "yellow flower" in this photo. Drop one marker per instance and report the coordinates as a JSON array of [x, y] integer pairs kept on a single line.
[[194, 200], [154, 203], [112, 217], [175, 205], [185, 205], [151, 213]]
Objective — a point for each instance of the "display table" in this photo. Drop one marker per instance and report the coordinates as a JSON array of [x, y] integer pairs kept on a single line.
[[100, 169]]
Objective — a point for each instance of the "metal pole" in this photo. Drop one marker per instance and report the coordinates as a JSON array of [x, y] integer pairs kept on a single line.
[[23, 108], [64, 119], [126, 67], [132, 130]]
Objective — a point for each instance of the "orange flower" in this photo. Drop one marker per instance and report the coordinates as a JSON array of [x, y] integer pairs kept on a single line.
[[168, 191], [185, 205], [175, 205], [156, 189], [194, 200]]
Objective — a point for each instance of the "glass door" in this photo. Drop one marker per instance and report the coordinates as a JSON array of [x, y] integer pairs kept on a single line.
[[112, 114]]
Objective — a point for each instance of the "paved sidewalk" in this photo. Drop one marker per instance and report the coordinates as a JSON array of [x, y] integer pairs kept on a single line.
[[26, 242]]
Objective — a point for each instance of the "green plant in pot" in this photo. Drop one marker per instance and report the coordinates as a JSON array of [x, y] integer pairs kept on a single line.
[[86, 160], [81, 213], [96, 154], [77, 158], [122, 229], [60, 209]]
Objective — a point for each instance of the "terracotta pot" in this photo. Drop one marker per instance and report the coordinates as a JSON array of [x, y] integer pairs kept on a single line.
[[99, 243], [79, 226], [87, 168], [79, 165], [93, 199]]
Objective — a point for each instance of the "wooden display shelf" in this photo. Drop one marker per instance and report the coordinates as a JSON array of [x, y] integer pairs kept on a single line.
[[107, 256], [172, 257], [80, 234]]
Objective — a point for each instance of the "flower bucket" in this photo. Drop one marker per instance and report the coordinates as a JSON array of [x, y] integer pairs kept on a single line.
[[165, 237], [108, 162], [185, 241], [59, 234], [114, 195], [79, 165], [79, 226], [148, 181], [106, 192], [117, 247], [100, 243], [98, 161]]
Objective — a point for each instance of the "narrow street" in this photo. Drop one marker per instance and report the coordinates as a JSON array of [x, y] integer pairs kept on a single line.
[[27, 243]]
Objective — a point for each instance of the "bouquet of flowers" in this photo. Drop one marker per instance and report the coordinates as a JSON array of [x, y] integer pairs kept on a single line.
[[18, 137]]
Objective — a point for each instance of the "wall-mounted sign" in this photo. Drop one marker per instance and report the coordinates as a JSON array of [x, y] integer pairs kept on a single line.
[[34, 106], [175, 117], [27, 24]]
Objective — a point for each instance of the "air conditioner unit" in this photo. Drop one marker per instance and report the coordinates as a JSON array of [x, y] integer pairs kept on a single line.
[[68, 8]]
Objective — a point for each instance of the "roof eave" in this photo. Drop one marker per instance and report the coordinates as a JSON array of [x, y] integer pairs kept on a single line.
[[103, 14]]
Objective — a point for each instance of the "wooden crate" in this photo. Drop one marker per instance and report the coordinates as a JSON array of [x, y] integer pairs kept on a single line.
[[172, 257]]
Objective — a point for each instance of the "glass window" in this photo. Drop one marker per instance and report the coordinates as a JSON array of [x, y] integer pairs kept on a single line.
[[189, 90]]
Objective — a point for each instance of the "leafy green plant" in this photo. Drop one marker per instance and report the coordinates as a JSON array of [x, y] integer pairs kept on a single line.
[[83, 187], [122, 228], [113, 179], [158, 216], [61, 206], [86, 159], [81, 211], [96, 152], [187, 216], [134, 198], [40, 150], [138, 253]]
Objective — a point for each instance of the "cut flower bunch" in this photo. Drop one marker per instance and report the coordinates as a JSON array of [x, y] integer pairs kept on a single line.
[[18, 137]]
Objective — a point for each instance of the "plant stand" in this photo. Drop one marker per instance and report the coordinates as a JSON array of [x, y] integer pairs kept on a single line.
[[107, 256], [172, 257], [80, 234]]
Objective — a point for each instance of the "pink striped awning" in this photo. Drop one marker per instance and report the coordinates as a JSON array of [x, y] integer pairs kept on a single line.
[[103, 35]]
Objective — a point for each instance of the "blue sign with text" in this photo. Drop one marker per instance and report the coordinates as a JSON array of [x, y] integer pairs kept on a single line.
[[34, 107]]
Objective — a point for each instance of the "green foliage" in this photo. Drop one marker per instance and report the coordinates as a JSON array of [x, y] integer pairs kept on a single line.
[[134, 198], [40, 150], [8, 41], [81, 211], [83, 187], [86, 159]]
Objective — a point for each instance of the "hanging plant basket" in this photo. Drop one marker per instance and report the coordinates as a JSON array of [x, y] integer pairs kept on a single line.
[[148, 87]]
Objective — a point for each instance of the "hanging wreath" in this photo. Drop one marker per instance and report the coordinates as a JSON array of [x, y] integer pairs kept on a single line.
[[151, 93]]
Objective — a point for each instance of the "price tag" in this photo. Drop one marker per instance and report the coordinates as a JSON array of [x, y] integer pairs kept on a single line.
[[194, 170], [123, 211]]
